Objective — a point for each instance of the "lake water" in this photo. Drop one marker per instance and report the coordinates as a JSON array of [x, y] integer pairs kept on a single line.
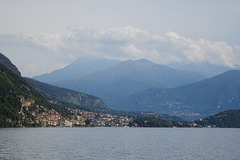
[[119, 143]]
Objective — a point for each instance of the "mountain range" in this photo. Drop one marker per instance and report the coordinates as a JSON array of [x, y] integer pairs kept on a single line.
[[142, 85], [14, 89], [204, 68], [13, 85], [123, 79], [78, 100], [86, 65], [77, 69], [192, 101], [50, 96], [139, 85]]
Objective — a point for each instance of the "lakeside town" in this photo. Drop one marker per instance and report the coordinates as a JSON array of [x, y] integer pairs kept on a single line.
[[35, 115], [39, 116]]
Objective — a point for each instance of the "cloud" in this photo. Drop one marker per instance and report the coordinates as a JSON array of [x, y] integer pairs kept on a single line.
[[51, 42], [124, 34], [132, 51], [118, 43], [198, 51]]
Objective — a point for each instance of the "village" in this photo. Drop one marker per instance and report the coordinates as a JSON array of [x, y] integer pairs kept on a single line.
[[36, 115]]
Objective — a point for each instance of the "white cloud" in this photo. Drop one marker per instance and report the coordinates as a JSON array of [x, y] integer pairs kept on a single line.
[[127, 33], [132, 51], [201, 50], [118, 43], [52, 42]]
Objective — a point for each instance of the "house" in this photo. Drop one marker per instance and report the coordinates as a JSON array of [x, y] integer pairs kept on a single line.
[[8, 120], [67, 123]]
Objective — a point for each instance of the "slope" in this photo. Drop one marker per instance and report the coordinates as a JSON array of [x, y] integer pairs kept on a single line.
[[207, 69], [10, 104], [11, 87], [5, 61], [78, 100], [77, 69], [118, 82], [200, 99], [67, 96], [226, 119]]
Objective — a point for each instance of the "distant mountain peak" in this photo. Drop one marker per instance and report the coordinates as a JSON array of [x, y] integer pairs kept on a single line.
[[205, 68], [139, 61], [131, 76], [233, 71], [140, 64], [143, 61], [77, 69]]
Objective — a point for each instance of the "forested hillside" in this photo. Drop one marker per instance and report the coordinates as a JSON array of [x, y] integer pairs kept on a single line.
[[193, 101], [11, 87], [226, 119], [68, 97]]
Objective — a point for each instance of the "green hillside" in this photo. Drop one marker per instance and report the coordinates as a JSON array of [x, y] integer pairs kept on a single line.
[[4, 60], [68, 97], [226, 119], [12, 86]]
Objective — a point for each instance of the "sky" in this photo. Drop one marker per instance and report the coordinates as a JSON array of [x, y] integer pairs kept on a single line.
[[42, 36]]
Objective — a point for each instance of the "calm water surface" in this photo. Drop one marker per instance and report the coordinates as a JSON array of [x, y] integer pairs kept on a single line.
[[119, 143]]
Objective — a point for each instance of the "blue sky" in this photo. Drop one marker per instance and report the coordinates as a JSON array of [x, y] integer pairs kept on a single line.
[[41, 36]]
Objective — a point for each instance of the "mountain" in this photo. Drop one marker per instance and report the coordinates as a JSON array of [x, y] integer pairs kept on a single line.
[[116, 83], [68, 97], [13, 89], [226, 119], [65, 97], [78, 100], [5, 61], [77, 69], [206, 69], [192, 101], [16, 93]]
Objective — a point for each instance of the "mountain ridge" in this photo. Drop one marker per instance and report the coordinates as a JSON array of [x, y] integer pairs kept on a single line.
[[197, 100], [61, 95], [5, 61], [207, 69], [77, 69], [226, 119], [125, 78], [10, 104]]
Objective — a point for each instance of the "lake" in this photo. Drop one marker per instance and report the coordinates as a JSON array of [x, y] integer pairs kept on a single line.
[[120, 143]]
